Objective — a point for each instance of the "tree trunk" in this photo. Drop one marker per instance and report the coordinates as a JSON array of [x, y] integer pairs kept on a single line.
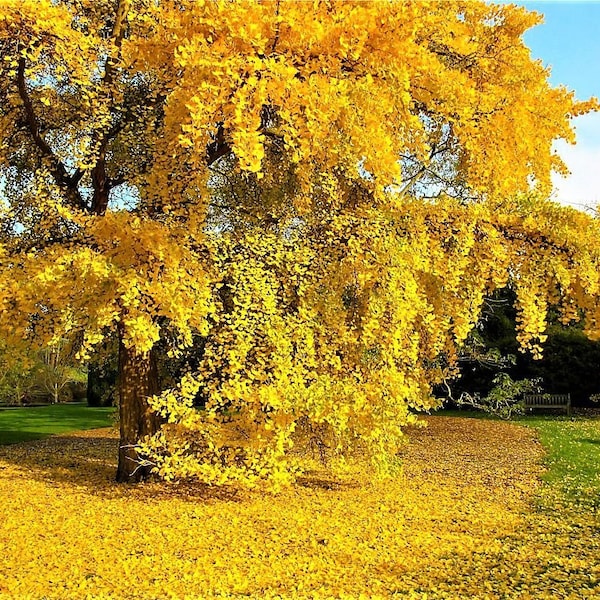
[[138, 379]]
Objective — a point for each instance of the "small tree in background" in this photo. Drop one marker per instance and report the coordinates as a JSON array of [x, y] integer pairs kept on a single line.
[[16, 376], [56, 371]]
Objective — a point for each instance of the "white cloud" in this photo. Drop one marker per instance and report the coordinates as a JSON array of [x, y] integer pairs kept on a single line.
[[581, 189]]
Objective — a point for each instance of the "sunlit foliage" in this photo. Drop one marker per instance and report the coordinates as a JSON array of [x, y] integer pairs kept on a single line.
[[323, 196]]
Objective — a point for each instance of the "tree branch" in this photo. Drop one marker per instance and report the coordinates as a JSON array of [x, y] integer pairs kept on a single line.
[[277, 28], [117, 35], [218, 148], [101, 183], [68, 183]]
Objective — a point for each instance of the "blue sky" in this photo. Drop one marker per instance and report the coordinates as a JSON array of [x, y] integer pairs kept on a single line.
[[569, 42]]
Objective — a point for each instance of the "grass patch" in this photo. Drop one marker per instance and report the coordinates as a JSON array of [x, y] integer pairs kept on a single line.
[[558, 544], [573, 456], [25, 424]]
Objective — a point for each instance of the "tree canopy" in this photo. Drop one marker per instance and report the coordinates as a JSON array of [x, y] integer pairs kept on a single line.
[[322, 196]]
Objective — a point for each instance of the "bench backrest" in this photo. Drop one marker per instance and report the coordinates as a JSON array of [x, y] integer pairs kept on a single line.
[[541, 400]]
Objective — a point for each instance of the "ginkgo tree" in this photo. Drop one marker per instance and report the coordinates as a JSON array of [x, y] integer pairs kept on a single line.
[[321, 193]]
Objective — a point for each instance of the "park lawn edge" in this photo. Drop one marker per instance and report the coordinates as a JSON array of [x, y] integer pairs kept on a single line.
[[23, 424]]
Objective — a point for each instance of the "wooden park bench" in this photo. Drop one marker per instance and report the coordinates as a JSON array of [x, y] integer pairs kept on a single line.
[[548, 401]]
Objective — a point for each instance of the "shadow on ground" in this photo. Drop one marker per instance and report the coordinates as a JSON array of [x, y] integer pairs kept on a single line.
[[88, 460]]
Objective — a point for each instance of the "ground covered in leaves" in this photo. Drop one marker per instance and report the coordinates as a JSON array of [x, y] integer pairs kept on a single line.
[[467, 518]]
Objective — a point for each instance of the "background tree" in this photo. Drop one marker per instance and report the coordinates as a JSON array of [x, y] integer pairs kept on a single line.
[[30, 374], [56, 370], [16, 375], [253, 174], [569, 363]]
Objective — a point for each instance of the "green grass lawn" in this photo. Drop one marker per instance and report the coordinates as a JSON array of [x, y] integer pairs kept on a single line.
[[573, 456], [23, 424]]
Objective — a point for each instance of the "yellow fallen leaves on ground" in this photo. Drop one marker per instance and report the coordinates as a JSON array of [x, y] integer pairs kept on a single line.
[[459, 522]]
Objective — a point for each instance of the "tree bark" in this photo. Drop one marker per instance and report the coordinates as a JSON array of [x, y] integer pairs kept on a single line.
[[138, 379]]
